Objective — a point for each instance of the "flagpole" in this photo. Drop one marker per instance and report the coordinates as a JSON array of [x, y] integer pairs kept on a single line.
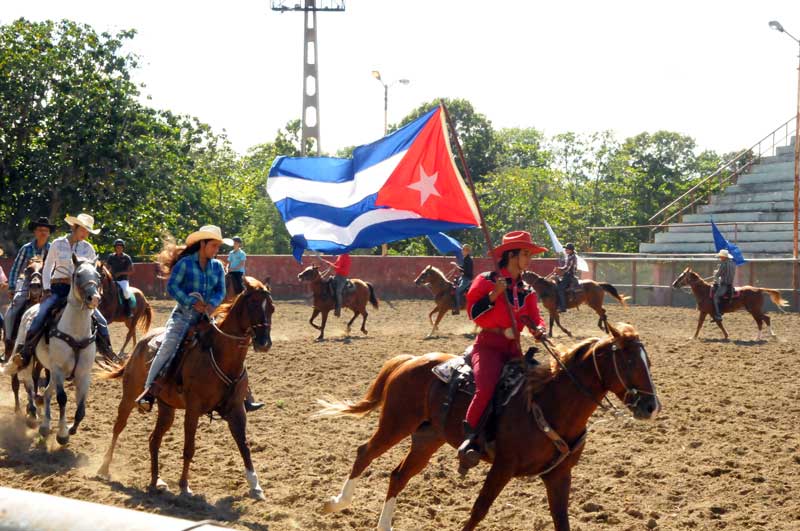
[[484, 228]]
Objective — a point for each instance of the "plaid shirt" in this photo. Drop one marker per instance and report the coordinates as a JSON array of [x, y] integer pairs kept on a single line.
[[187, 277], [26, 252]]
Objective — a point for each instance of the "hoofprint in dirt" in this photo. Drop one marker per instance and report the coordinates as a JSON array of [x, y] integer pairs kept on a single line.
[[724, 453]]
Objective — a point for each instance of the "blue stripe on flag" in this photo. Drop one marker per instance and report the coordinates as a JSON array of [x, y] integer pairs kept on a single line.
[[292, 208]]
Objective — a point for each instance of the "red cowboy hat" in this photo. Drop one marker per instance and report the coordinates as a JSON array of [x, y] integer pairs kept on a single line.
[[518, 239]]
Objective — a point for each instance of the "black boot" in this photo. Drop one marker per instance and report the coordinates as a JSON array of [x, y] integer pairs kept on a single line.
[[250, 403], [469, 453], [144, 402], [126, 303], [104, 346]]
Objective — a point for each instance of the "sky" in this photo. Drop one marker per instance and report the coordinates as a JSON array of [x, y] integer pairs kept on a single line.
[[709, 69]]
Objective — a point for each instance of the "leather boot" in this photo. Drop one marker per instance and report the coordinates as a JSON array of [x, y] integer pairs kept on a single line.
[[469, 453], [144, 402], [104, 346]]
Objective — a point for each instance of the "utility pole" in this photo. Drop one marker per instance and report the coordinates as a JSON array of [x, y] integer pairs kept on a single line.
[[310, 115]]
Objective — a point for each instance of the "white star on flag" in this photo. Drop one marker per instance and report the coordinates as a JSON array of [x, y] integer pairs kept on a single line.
[[426, 186]]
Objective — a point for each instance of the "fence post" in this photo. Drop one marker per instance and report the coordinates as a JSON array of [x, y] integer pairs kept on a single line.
[[795, 282], [633, 281], [671, 276]]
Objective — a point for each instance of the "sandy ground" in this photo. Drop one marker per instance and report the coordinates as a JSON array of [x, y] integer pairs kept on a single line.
[[725, 452]]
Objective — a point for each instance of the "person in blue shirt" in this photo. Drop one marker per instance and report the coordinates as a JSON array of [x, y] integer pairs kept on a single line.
[[192, 269], [236, 265]]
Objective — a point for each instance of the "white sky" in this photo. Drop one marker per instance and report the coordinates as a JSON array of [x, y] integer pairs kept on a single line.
[[713, 70]]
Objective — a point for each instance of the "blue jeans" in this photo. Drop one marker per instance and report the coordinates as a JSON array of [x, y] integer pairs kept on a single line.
[[20, 297], [59, 292], [461, 288], [181, 319]]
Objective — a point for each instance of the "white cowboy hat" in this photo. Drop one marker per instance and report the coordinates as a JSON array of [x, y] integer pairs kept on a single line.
[[1, 252], [84, 220], [207, 232], [723, 253]]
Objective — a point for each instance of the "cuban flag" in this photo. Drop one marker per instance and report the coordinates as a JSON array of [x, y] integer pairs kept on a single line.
[[401, 186]]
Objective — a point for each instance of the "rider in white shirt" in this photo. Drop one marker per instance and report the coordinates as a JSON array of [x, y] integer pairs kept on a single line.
[[56, 279]]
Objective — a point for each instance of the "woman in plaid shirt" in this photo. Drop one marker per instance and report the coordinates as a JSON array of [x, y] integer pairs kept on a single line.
[[193, 270]]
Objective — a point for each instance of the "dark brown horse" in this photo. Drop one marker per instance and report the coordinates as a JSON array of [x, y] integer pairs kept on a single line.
[[748, 297], [589, 292], [212, 379], [324, 300], [411, 398], [114, 311], [444, 294], [32, 277]]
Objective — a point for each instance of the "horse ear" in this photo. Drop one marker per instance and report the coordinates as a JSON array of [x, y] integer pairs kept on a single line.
[[268, 282], [614, 332], [74, 260]]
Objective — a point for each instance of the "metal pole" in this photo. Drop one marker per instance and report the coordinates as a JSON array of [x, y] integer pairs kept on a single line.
[[484, 229], [797, 155], [385, 109]]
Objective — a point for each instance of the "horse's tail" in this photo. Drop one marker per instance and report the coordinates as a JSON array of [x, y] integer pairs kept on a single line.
[[775, 295], [144, 320], [372, 298], [111, 370], [611, 290], [372, 400]]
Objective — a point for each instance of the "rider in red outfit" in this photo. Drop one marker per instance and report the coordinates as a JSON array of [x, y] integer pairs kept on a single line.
[[495, 344]]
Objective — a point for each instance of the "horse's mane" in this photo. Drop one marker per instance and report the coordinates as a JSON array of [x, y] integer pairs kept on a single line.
[[37, 259], [438, 272], [696, 275]]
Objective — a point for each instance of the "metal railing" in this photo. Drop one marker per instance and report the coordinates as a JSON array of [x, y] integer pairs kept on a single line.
[[738, 165]]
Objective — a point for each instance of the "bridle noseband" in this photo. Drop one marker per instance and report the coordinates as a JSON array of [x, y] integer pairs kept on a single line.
[[634, 392]]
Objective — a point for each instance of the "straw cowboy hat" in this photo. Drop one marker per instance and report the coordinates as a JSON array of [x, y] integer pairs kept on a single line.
[[518, 239], [724, 253], [84, 220], [207, 232], [41, 222], [1, 251]]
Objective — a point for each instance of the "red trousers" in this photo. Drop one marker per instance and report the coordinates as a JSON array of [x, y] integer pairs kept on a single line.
[[490, 352]]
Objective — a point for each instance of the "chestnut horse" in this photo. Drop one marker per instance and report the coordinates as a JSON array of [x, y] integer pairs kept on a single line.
[[748, 297], [213, 379], [443, 294], [590, 292], [114, 311], [32, 277], [411, 398], [324, 300]]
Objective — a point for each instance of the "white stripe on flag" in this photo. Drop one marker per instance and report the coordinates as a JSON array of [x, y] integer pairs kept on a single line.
[[556, 244], [340, 195], [317, 229]]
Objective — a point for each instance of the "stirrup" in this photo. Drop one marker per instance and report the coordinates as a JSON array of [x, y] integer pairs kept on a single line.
[[469, 455]]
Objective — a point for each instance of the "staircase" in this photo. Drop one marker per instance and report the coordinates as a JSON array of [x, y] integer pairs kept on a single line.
[[747, 213]]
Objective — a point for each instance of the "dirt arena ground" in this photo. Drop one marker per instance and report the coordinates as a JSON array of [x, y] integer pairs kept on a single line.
[[724, 454]]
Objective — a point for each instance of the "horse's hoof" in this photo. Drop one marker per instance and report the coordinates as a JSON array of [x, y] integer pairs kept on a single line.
[[38, 400], [31, 422], [44, 431], [62, 440], [73, 429], [186, 491], [333, 506], [320, 339], [103, 473], [364, 331], [257, 494], [159, 486]]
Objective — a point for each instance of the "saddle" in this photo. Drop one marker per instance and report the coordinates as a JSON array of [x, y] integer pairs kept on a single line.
[[122, 299], [457, 374], [733, 293], [348, 288], [197, 334]]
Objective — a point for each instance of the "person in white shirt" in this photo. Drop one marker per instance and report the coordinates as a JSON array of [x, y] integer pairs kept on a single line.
[[56, 279]]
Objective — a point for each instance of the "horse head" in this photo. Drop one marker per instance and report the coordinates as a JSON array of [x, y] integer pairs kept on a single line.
[[32, 277], [254, 309], [85, 283], [684, 279], [309, 274], [536, 281], [422, 278], [623, 366]]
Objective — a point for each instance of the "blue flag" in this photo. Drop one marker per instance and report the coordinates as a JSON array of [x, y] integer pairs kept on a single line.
[[721, 243], [446, 245]]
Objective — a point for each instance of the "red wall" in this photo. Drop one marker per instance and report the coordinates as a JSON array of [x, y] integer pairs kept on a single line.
[[392, 276]]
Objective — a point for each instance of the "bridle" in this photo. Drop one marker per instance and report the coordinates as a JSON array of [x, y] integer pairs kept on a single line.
[[633, 392]]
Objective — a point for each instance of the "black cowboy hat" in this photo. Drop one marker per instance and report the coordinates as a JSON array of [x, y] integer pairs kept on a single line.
[[41, 222]]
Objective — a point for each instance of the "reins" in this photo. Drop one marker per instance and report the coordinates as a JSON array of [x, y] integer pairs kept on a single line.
[[547, 345]]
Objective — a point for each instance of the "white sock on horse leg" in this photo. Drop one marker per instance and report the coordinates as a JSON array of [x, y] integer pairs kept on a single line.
[[343, 500], [385, 523]]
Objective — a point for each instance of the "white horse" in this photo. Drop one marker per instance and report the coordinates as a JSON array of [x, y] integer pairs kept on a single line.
[[70, 353]]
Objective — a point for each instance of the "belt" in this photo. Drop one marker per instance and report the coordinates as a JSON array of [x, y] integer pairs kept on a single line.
[[508, 333], [60, 281]]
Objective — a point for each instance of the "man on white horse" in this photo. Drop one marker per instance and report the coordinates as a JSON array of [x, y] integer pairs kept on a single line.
[[56, 277], [39, 246]]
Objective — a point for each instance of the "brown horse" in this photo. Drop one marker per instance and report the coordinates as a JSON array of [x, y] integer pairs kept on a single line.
[[748, 297], [212, 379], [324, 300], [443, 294], [589, 292], [411, 398], [114, 311], [32, 277]]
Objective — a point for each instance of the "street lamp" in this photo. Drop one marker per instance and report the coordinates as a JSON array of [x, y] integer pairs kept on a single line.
[[774, 24], [377, 75]]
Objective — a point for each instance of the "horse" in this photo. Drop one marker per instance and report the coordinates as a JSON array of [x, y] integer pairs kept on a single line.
[[590, 292], [549, 413], [748, 297], [443, 293], [70, 353], [114, 311], [31, 276], [325, 301], [212, 378]]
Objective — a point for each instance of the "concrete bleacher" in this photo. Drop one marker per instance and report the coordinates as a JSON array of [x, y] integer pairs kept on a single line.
[[764, 194]]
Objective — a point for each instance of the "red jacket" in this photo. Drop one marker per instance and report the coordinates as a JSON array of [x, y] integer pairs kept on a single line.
[[342, 265], [495, 315]]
